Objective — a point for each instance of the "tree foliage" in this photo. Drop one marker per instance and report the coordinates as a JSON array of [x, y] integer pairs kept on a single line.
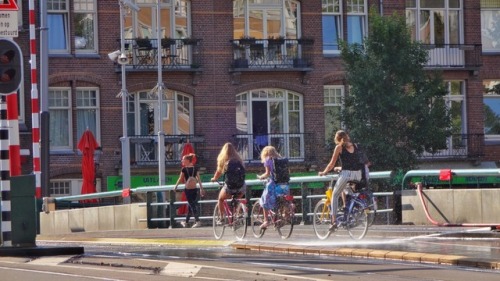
[[393, 106]]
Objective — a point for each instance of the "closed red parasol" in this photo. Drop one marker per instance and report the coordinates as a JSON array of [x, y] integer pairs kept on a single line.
[[87, 145]]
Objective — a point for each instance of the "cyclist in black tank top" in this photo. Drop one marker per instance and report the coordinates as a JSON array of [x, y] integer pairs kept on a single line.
[[351, 167]]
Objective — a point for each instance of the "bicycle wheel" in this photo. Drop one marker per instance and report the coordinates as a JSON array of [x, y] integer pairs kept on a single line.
[[285, 216], [257, 219], [357, 221], [218, 224], [240, 221], [322, 220]]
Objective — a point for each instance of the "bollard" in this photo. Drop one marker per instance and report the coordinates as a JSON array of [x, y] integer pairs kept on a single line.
[[303, 190], [48, 204]]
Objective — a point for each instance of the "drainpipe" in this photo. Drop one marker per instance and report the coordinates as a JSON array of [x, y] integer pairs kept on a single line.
[[381, 6]]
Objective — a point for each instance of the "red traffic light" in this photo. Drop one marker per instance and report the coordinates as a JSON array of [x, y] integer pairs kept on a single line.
[[11, 67]]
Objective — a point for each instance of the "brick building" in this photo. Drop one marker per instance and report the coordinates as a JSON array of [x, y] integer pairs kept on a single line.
[[253, 72]]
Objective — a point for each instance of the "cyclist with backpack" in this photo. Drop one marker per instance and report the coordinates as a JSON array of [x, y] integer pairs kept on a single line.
[[268, 157], [230, 164]]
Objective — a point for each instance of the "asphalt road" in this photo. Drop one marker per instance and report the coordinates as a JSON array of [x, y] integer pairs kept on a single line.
[[181, 254]]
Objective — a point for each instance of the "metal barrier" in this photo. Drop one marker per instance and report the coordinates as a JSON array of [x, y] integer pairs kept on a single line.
[[304, 197], [455, 172], [156, 210]]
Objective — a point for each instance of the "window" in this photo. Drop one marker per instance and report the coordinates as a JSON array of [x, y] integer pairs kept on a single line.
[[270, 117], [491, 101], [333, 96], [490, 25], [265, 19], [86, 112], [60, 119], [174, 20], [57, 21], [435, 21], [84, 23], [69, 187], [456, 105], [355, 17], [144, 120]]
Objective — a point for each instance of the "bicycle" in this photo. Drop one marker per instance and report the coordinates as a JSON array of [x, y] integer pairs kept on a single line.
[[354, 218], [282, 217], [235, 216]]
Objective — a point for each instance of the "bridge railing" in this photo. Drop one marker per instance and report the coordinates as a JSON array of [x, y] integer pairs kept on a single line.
[[306, 190]]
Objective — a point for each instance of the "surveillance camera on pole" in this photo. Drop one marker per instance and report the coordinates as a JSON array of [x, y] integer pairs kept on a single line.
[[11, 67], [114, 55]]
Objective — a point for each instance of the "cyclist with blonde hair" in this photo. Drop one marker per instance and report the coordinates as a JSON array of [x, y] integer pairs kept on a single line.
[[268, 198], [227, 156]]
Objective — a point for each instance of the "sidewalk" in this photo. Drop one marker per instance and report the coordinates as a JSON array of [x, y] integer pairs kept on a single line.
[[461, 246]]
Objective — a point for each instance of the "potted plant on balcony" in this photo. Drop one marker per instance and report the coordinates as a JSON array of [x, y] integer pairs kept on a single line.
[[241, 63], [246, 40], [279, 40], [190, 41], [167, 42]]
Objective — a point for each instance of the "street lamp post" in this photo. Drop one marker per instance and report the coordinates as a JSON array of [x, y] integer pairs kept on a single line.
[[159, 89], [125, 4]]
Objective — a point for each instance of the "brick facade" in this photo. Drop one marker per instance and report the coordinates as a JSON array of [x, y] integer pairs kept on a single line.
[[215, 90]]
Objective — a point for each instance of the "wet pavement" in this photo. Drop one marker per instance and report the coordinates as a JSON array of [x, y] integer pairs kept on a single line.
[[462, 246]]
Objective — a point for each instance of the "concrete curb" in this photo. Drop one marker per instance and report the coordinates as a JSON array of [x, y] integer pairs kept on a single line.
[[371, 253]]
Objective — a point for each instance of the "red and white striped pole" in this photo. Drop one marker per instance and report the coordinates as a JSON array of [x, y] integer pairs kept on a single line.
[[14, 145], [35, 105]]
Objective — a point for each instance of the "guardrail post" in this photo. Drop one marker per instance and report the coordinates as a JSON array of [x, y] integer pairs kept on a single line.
[[248, 196], [149, 209], [304, 190], [171, 208]]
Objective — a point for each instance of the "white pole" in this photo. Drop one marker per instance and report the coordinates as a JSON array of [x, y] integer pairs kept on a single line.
[[159, 88], [124, 94]]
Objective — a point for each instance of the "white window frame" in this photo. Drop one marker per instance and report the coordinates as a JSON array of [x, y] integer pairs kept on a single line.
[[484, 29], [338, 20], [333, 96], [416, 10], [244, 103], [486, 83], [68, 108], [64, 12], [268, 5], [342, 19], [74, 186], [83, 8], [96, 108]]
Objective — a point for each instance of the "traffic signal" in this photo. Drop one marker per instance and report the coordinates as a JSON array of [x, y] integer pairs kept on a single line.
[[11, 66]]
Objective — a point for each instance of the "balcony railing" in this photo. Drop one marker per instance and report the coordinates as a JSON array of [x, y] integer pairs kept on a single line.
[[292, 146], [454, 56], [460, 146], [144, 149], [176, 54], [272, 54]]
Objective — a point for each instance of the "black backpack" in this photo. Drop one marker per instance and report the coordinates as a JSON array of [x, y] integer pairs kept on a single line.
[[281, 173], [235, 174]]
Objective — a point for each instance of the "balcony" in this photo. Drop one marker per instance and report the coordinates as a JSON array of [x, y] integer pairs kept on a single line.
[[176, 54], [272, 54], [454, 56], [292, 146], [460, 146], [144, 149]]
